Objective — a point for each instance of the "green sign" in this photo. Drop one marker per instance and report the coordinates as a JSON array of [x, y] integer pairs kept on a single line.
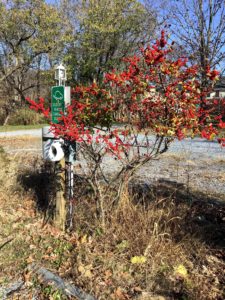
[[58, 102]]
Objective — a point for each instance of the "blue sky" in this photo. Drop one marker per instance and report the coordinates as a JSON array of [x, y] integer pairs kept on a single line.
[[51, 1]]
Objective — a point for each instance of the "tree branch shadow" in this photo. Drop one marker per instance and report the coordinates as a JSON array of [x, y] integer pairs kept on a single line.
[[202, 215]]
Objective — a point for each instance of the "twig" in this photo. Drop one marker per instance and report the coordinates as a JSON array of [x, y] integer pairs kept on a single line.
[[6, 242]]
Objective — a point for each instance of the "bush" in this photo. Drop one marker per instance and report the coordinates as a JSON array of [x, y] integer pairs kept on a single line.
[[25, 116], [2, 118]]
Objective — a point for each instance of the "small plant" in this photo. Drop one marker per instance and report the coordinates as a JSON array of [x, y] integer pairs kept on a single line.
[[2, 151], [25, 116], [53, 294]]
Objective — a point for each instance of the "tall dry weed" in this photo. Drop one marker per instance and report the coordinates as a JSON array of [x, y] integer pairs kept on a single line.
[[159, 249]]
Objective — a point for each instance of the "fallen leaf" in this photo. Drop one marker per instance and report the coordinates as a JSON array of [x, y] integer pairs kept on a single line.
[[180, 270], [30, 259], [138, 259], [120, 295], [85, 271]]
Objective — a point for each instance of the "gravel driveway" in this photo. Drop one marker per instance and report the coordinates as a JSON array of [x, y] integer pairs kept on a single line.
[[193, 147], [17, 133], [196, 163]]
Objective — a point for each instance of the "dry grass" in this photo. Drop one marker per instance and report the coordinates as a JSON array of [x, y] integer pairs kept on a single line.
[[164, 234], [20, 143], [22, 224], [165, 244]]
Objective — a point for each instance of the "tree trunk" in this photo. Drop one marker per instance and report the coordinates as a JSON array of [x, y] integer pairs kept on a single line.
[[6, 120]]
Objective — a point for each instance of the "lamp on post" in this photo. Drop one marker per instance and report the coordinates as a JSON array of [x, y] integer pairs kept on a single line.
[[60, 75]]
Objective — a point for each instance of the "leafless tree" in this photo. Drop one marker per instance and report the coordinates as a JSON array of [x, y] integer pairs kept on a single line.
[[199, 26]]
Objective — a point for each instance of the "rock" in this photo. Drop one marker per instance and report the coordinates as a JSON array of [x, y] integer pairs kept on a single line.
[[47, 277], [5, 292]]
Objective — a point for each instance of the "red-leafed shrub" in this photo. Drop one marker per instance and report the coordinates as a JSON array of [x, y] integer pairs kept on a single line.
[[156, 98]]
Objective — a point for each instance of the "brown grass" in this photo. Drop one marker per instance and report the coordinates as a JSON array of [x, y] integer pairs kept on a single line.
[[163, 234], [170, 230]]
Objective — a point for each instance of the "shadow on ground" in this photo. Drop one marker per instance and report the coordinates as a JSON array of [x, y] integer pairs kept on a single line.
[[42, 184], [203, 216]]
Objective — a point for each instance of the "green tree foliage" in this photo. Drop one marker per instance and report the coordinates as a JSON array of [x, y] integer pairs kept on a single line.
[[30, 31], [32, 34], [104, 32]]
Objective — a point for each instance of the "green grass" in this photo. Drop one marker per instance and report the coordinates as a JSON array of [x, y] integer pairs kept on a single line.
[[20, 127]]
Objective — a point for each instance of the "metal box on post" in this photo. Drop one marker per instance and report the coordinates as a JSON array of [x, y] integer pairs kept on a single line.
[[52, 148]]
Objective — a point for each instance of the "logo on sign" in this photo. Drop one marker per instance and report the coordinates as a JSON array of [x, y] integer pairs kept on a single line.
[[57, 104], [58, 96]]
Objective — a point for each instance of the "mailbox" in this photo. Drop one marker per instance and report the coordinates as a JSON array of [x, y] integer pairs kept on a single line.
[[52, 148]]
